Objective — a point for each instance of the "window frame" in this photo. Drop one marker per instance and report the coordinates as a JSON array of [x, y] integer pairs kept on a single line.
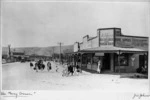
[[123, 56]]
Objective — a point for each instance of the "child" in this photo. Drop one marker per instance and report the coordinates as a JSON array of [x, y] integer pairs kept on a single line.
[[56, 69]]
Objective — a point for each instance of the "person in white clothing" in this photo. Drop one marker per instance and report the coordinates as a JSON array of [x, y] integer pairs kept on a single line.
[[99, 66]]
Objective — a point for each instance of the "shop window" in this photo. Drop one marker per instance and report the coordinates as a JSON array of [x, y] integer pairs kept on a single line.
[[124, 60], [84, 59], [95, 60], [89, 60]]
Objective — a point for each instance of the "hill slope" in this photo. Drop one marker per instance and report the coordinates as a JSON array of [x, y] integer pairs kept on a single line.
[[46, 51]]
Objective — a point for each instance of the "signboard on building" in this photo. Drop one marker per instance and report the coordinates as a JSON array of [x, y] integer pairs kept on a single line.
[[117, 31], [136, 42], [121, 41], [106, 37], [99, 54], [140, 43]]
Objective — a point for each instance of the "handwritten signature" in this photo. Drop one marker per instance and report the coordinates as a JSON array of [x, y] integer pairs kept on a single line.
[[17, 94], [139, 96]]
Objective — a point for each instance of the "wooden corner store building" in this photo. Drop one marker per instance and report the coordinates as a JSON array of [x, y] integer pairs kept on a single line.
[[118, 52]]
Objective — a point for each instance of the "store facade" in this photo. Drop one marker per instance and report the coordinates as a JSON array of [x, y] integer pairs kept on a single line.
[[118, 52]]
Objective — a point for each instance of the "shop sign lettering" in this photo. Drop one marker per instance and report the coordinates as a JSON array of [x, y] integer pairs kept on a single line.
[[131, 42], [106, 38], [140, 42], [123, 41]]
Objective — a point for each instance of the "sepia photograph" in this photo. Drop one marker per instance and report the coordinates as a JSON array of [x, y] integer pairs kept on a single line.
[[75, 46]]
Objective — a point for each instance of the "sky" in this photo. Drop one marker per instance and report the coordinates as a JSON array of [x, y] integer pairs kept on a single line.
[[41, 24]]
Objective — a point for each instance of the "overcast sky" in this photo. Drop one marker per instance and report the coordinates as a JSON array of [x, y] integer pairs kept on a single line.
[[27, 24]]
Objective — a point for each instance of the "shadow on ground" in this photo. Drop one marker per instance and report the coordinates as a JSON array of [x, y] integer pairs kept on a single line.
[[102, 72], [90, 71], [122, 75], [134, 76]]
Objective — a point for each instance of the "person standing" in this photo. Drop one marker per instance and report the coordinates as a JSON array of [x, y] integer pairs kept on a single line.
[[65, 71], [31, 64], [70, 68], [36, 66], [48, 66], [56, 68], [99, 66]]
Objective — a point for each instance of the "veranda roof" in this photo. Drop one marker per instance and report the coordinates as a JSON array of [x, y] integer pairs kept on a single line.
[[110, 49]]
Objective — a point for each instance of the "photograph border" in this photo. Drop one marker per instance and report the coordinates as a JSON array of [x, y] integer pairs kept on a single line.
[[73, 95]]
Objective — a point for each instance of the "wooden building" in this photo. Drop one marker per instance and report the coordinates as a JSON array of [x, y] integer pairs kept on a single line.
[[118, 52]]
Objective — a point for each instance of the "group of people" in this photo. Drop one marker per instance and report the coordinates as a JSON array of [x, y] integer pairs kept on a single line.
[[39, 65], [71, 69]]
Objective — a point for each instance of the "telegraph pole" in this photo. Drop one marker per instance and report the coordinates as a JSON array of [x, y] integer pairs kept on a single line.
[[53, 53], [9, 51], [60, 44]]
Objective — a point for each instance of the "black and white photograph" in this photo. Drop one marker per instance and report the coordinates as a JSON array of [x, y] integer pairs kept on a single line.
[[75, 46]]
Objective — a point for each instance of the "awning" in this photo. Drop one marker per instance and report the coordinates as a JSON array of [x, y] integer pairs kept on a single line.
[[113, 50]]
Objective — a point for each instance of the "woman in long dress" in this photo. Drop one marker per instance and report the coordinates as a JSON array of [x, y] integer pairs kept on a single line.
[[99, 66]]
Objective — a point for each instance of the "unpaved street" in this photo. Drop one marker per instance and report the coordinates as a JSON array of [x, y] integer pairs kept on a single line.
[[19, 76]]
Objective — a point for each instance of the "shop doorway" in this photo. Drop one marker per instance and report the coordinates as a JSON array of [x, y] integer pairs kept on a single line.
[[106, 62], [143, 65], [141, 61]]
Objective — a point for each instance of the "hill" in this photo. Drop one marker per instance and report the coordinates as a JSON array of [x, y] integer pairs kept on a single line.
[[45, 51]]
